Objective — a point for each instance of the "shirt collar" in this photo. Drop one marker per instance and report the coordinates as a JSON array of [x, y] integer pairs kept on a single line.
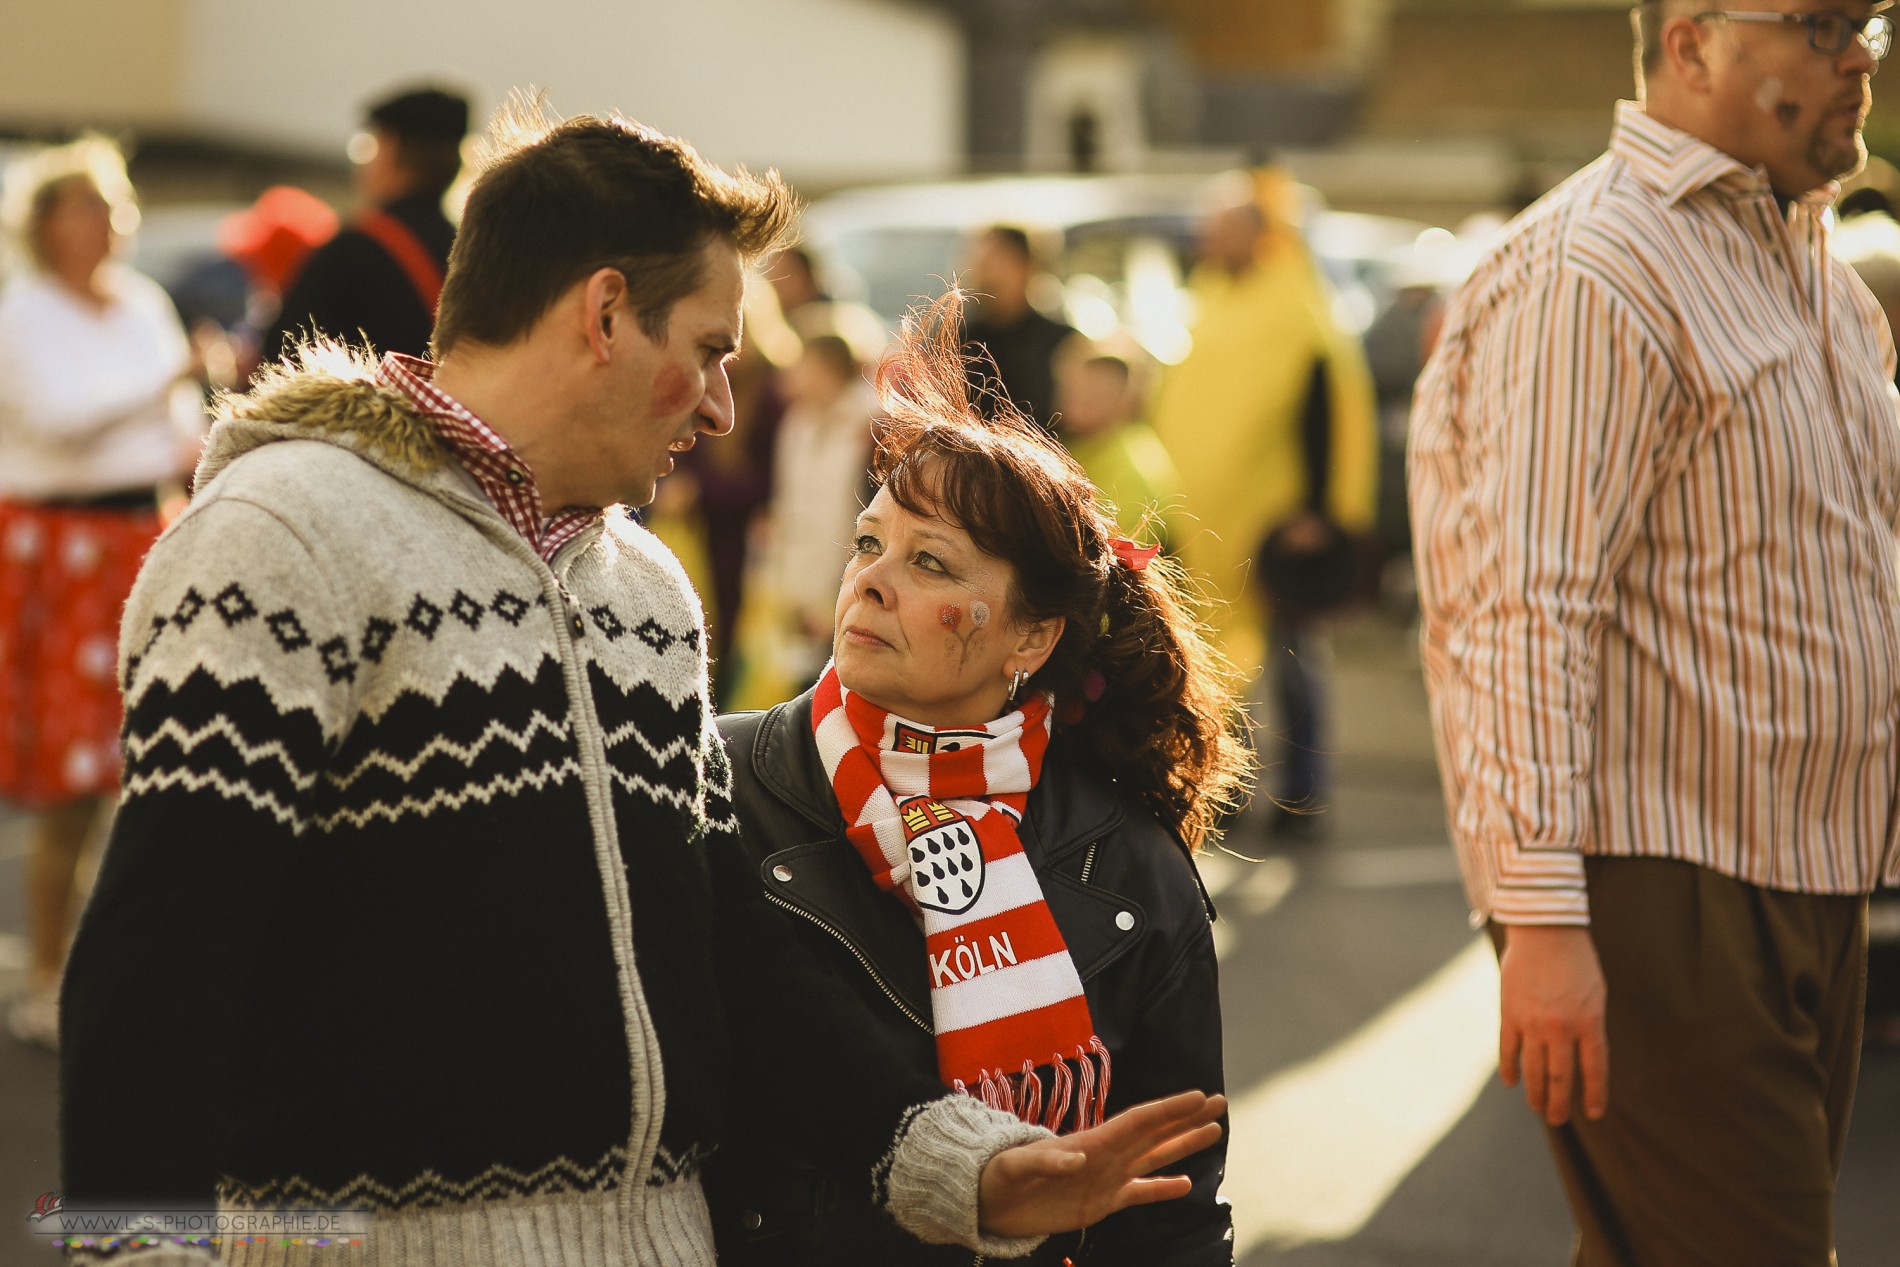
[[497, 470], [1676, 164]]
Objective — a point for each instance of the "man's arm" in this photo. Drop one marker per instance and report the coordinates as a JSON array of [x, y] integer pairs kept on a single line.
[[1550, 462], [229, 711]]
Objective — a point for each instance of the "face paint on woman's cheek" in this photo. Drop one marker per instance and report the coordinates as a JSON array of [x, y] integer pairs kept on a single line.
[[950, 616], [979, 613]]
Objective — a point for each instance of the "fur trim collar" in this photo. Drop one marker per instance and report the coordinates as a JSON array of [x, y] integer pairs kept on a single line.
[[327, 393]]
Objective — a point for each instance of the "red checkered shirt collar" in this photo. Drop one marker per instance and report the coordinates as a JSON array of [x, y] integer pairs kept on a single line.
[[499, 472]]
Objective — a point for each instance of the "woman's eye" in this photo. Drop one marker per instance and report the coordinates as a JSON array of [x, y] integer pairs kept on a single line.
[[864, 545], [929, 562]]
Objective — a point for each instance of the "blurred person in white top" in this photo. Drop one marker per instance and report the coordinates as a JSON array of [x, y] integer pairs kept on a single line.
[[98, 419], [820, 482]]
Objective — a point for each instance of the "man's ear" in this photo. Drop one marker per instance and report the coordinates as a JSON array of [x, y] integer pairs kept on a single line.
[[603, 309], [1685, 50], [1037, 642]]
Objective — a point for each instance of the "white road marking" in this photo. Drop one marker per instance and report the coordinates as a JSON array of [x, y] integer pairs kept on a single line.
[[1318, 1148]]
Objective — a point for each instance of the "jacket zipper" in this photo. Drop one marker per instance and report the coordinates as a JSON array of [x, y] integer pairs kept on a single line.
[[592, 749], [844, 941], [1088, 862]]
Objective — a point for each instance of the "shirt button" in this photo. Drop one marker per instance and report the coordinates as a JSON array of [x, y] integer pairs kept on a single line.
[[515, 476], [782, 873], [1125, 921]]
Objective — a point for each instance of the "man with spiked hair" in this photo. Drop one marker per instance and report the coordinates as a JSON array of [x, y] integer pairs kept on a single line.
[[424, 899]]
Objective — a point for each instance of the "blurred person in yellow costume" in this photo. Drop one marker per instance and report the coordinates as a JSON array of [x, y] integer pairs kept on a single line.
[[1271, 423]]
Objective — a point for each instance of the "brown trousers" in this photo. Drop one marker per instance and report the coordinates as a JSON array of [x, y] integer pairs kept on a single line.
[[1734, 1021]]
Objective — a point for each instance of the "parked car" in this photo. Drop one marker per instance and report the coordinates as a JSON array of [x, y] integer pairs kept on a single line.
[[1119, 247]]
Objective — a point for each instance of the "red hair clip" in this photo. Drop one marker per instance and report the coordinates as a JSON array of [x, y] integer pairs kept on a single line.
[[1133, 556]]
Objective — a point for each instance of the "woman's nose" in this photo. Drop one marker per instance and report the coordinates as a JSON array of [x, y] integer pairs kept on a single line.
[[870, 585]]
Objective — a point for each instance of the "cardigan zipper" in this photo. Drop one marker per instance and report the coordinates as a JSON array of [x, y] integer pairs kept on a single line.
[[857, 954]]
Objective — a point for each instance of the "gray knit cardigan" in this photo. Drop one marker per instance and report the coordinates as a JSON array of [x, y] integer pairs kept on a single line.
[[424, 897]]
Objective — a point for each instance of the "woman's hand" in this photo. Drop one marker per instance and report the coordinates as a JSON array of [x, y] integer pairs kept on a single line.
[[1062, 1184]]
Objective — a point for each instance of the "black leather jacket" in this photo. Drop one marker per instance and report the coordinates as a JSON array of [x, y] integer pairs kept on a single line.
[[1130, 906]]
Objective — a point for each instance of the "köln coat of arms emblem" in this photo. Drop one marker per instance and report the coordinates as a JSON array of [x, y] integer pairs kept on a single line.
[[946, 862]]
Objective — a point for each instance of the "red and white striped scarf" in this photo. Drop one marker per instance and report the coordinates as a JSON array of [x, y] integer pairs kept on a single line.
[[934, 813]]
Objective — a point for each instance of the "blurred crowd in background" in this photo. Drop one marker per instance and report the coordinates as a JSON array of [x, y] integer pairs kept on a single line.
[[1229, 360]]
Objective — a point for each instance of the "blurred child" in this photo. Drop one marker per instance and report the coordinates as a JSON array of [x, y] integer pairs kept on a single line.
[[1096, 419]]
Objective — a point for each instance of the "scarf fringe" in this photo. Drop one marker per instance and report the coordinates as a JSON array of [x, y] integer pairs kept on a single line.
[[1083, 1089]]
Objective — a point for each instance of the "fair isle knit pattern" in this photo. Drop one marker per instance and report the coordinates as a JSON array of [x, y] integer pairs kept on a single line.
[[433, 816], [934, 815]]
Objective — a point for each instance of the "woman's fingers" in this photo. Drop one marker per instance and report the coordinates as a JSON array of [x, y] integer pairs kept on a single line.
[[1057, 1185], [1158, 1188], [1146, 1126], [1184, 1145]]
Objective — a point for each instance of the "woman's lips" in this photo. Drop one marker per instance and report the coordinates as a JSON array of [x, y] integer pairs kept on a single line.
[[863, 637]]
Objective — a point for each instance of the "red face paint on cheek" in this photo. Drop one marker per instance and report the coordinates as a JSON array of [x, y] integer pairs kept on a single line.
[[950, 616], [671, 391]]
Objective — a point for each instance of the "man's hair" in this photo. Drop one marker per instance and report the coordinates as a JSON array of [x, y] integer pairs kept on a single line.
[[1647, 18], [1109, 364], [833, 351], [427, 125], [1012, 238], [554, 202], [802, 257]]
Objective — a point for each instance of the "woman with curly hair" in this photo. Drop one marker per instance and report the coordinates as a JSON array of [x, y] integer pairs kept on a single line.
[[983, 818]]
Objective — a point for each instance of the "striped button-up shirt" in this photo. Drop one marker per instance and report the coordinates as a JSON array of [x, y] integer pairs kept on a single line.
[[497, 470], [1655, 478]]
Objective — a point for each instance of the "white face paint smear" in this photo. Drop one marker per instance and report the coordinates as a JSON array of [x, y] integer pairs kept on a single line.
[[979, 613], [1768, 96]]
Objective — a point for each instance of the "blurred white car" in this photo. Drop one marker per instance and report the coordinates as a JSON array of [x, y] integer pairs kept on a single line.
[[1119, 247]]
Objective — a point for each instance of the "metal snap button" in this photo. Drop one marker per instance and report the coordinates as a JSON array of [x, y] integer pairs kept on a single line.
[[752, 1220], [1125, 921], [782, 873], [515, 476]]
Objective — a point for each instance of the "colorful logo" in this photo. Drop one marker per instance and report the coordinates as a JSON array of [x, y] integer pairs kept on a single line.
[[49, 1204], [946, 862], [924, 743]]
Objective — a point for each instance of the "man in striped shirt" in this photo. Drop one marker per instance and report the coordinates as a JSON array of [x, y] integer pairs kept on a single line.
[[1655, 477]]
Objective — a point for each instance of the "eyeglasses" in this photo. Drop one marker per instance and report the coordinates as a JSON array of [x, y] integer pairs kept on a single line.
[[1828, 31]]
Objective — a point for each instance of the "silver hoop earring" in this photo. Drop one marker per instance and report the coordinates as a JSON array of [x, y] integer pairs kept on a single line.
[[1016, 681]]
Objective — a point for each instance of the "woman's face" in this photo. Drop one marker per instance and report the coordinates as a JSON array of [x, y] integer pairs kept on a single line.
[[76, 235], [923, 624]]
